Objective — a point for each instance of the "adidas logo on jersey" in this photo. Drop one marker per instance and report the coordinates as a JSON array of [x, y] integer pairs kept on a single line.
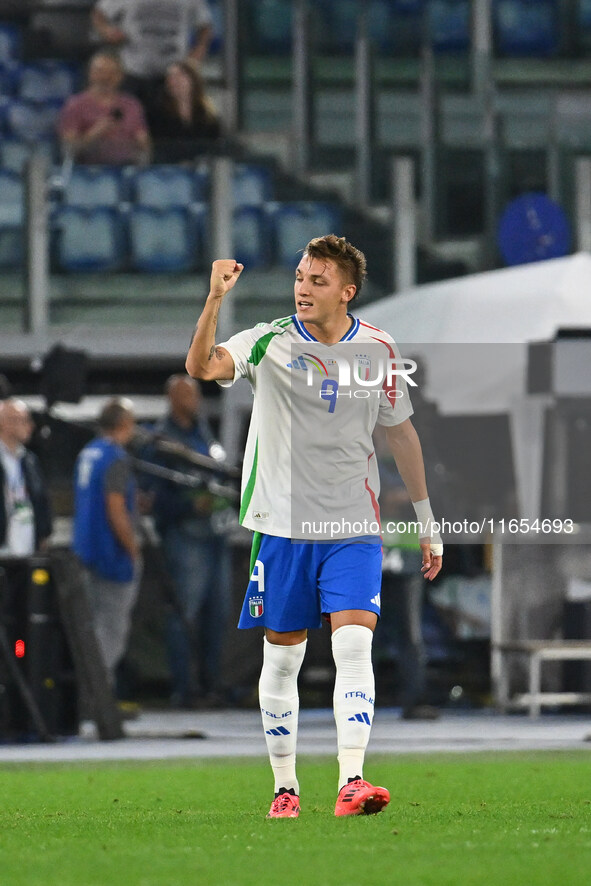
[[377, 600]]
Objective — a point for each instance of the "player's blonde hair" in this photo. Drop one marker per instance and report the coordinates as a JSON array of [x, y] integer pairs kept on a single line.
[[348, 259]]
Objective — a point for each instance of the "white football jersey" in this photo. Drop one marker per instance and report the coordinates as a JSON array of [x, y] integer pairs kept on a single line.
[[309, 467]]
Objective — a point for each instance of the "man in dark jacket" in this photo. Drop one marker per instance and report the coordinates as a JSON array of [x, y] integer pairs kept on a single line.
[[195, 552], [25, 516]]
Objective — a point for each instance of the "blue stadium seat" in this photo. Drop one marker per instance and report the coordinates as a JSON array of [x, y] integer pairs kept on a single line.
[[270, 21], [295, 224], [10, 44], [11, 219], [408, 7], [31, 121], [46, 81], [449, 25], [14, 153], [340, 24], [8, 78], [584, 25], [584, 14], [11, 199], [89, 239], [405, 36], [526, 27], [92, 186], [251, 237], [163, 187], [251, 185], [201, 183], [381, 22], [12, 248], [217, 14], [4, 103], [394, 25], [341, 21], [164, 240]]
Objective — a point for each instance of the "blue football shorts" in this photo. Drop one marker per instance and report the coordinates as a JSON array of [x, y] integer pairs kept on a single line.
[[292, 584]]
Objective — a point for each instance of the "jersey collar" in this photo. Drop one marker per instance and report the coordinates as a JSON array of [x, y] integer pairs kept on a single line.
[[309, 337]]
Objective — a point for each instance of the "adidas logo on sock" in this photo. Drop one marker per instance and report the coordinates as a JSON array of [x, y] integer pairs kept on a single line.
[[280, 730], [361, 718]]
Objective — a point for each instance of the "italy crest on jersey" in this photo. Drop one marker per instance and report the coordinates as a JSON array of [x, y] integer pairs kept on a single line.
[[256, 607], [362, 366]]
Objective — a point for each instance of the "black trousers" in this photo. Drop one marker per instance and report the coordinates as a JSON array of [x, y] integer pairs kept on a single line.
[[400, 626]]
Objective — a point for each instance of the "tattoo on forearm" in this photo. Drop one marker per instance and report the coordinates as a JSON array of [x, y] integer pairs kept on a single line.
[[213, 350]]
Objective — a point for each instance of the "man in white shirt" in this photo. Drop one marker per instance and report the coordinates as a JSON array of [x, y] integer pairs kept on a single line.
[[322, 379], [25, 519], [151, 35]]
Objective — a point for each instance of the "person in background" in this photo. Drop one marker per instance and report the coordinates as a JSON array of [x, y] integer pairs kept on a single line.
[[104, 538], [102, 124], [195, 555], [5, 387], [25, 514], [182, 115], [403, 590], [150, 36]]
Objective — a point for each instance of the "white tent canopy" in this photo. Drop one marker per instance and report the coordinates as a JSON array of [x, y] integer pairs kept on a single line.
[[472, 334], [511, 306]]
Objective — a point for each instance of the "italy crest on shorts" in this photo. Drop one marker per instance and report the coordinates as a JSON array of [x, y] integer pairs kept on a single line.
[[255, 606]]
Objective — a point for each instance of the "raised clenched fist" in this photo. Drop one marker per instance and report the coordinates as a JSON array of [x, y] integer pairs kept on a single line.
[[224, 273]]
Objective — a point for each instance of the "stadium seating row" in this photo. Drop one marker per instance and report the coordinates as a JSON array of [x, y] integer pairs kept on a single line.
[[159, 240], [15, 152], [10, 44], [27, 120], [41, 81], [154, 218], [159, 186], [522, 27]]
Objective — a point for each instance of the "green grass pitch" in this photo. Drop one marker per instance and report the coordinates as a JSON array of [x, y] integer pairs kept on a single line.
[[454, 820]]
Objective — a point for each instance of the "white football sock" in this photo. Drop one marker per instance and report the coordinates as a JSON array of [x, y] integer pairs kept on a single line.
[[354, 693], [279, 701]]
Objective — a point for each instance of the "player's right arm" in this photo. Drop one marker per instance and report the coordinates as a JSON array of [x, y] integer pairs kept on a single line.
[[205, 360]]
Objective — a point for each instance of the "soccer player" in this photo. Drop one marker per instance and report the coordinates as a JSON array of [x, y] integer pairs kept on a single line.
[[309, 453]]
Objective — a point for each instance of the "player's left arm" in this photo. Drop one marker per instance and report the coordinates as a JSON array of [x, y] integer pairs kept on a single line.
[[405, 446]]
